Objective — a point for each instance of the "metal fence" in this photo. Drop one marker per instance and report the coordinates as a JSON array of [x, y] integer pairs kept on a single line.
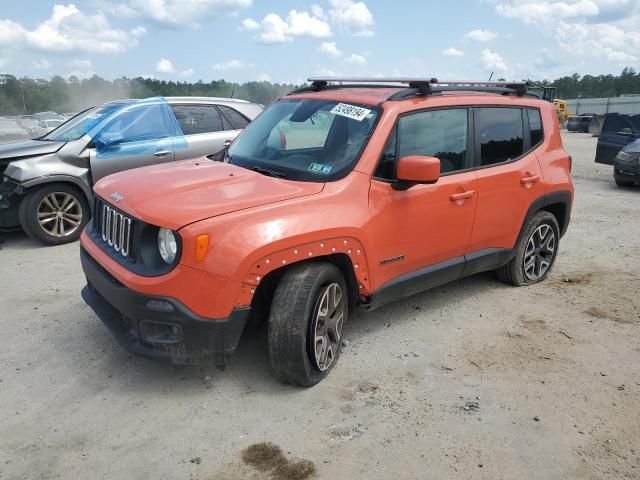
[[602, 106]]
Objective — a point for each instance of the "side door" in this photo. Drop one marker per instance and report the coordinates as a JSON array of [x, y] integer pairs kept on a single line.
[[138, 136], [617, 132], [509, 180], [420, 235], [204, 130]]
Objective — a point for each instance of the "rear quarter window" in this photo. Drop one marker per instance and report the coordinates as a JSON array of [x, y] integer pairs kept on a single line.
[[535, 126]]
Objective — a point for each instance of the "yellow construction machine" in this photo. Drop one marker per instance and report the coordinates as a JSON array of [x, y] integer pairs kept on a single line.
[[549, 94]]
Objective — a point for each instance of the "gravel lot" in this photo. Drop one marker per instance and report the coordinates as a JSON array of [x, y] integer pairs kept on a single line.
[[472, 380]]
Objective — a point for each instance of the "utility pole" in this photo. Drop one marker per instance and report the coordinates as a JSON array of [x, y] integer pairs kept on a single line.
[[24, 105]]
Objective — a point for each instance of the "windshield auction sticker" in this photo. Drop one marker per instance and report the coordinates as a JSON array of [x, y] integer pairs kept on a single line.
[[350, 111]]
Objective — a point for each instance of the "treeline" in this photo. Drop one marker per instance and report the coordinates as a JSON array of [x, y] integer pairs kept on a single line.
[[600, 86], [28, 95]]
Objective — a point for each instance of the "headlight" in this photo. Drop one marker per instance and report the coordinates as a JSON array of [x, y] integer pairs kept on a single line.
[[625, 157], [167, 245]]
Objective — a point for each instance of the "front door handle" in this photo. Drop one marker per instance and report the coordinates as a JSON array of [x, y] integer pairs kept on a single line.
[[162, 153], [529, 179], [456, 197], [227, 143]]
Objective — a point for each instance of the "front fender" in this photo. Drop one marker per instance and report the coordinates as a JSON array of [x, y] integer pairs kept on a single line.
[[35, 171]]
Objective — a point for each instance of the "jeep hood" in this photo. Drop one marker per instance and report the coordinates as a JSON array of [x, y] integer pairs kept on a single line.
[[28, 148], [175, 194]]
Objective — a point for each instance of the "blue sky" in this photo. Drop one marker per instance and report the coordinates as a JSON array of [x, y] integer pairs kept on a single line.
[[287, 41]]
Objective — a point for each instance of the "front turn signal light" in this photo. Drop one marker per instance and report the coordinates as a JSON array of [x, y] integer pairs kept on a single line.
[[202, 244]]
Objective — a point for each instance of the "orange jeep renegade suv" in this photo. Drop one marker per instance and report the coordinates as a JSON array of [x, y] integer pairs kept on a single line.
[[337, 195]]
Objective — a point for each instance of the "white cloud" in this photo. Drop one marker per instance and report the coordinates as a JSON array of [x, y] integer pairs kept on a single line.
[[68, 29], [356, 59], [234, 64], [608, 29], [81, 69], [165, 66], [275, 29], [138, 31], [452, 52], [493, 61], [186, 73], [329, 49], [249, 24], [2, 62], [481, 35], [352, 17], [317, 11], [263, 77], [173, 12], [42, 64]]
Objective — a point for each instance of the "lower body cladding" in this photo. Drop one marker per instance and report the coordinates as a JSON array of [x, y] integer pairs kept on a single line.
[[159, 327]]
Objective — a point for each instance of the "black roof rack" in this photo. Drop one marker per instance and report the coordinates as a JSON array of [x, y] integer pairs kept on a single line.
[[416, 86]]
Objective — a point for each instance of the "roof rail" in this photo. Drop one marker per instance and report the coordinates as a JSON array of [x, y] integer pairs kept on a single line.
[[416, 86]]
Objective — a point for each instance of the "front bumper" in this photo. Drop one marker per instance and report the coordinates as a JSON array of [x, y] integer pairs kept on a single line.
[[627, 169], [9, 205], [161, 327]]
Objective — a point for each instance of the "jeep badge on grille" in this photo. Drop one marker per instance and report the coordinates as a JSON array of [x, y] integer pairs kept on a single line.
[[116, 196]]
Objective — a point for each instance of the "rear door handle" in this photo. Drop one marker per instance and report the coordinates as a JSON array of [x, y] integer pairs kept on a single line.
[[456, 197], [162, 153], [530, 179]]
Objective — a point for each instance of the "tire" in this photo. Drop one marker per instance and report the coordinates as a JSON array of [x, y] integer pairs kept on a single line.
[[538, 252], [624, 183], [54, 205], [302, 294]]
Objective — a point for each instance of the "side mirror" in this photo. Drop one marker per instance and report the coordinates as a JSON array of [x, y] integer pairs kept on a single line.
[[627, 132], [416, 169], [103, 140]]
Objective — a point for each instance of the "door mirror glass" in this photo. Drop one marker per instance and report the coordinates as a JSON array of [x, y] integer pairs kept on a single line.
[[416, 169]]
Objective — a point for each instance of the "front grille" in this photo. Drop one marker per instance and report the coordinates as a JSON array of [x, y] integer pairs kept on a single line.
[[114, 227]]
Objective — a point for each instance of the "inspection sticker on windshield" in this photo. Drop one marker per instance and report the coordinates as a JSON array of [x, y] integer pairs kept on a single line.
[[350, 111], [320, 168]]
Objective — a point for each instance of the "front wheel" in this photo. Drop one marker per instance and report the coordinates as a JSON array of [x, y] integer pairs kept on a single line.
[[54, 214], [535, 253], [308, 311]]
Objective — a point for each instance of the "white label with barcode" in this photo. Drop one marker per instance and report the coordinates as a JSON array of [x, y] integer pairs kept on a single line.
[[350, 111]]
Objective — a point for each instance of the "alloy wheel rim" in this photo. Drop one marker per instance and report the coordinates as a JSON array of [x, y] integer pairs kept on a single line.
[[59, 214], [539, 253], [327, 326]]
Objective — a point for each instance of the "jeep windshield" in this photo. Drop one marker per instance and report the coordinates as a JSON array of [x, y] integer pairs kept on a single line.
[[80, 124], [305, 140]]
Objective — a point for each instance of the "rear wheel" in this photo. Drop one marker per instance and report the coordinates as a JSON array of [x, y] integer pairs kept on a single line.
[[308, 311], [54, 214], [535, 253]]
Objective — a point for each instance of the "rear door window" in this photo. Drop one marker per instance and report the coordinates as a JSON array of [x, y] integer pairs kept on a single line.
[[237, 121], [195, 119], [500, 132]]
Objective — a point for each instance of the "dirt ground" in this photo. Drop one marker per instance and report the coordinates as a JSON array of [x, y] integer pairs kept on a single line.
[[472, 380]]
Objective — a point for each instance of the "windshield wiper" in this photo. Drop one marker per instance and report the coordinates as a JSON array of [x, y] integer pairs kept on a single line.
[[270, 173]]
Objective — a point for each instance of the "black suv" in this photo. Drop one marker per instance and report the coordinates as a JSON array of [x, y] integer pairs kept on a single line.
[[617, 132]]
